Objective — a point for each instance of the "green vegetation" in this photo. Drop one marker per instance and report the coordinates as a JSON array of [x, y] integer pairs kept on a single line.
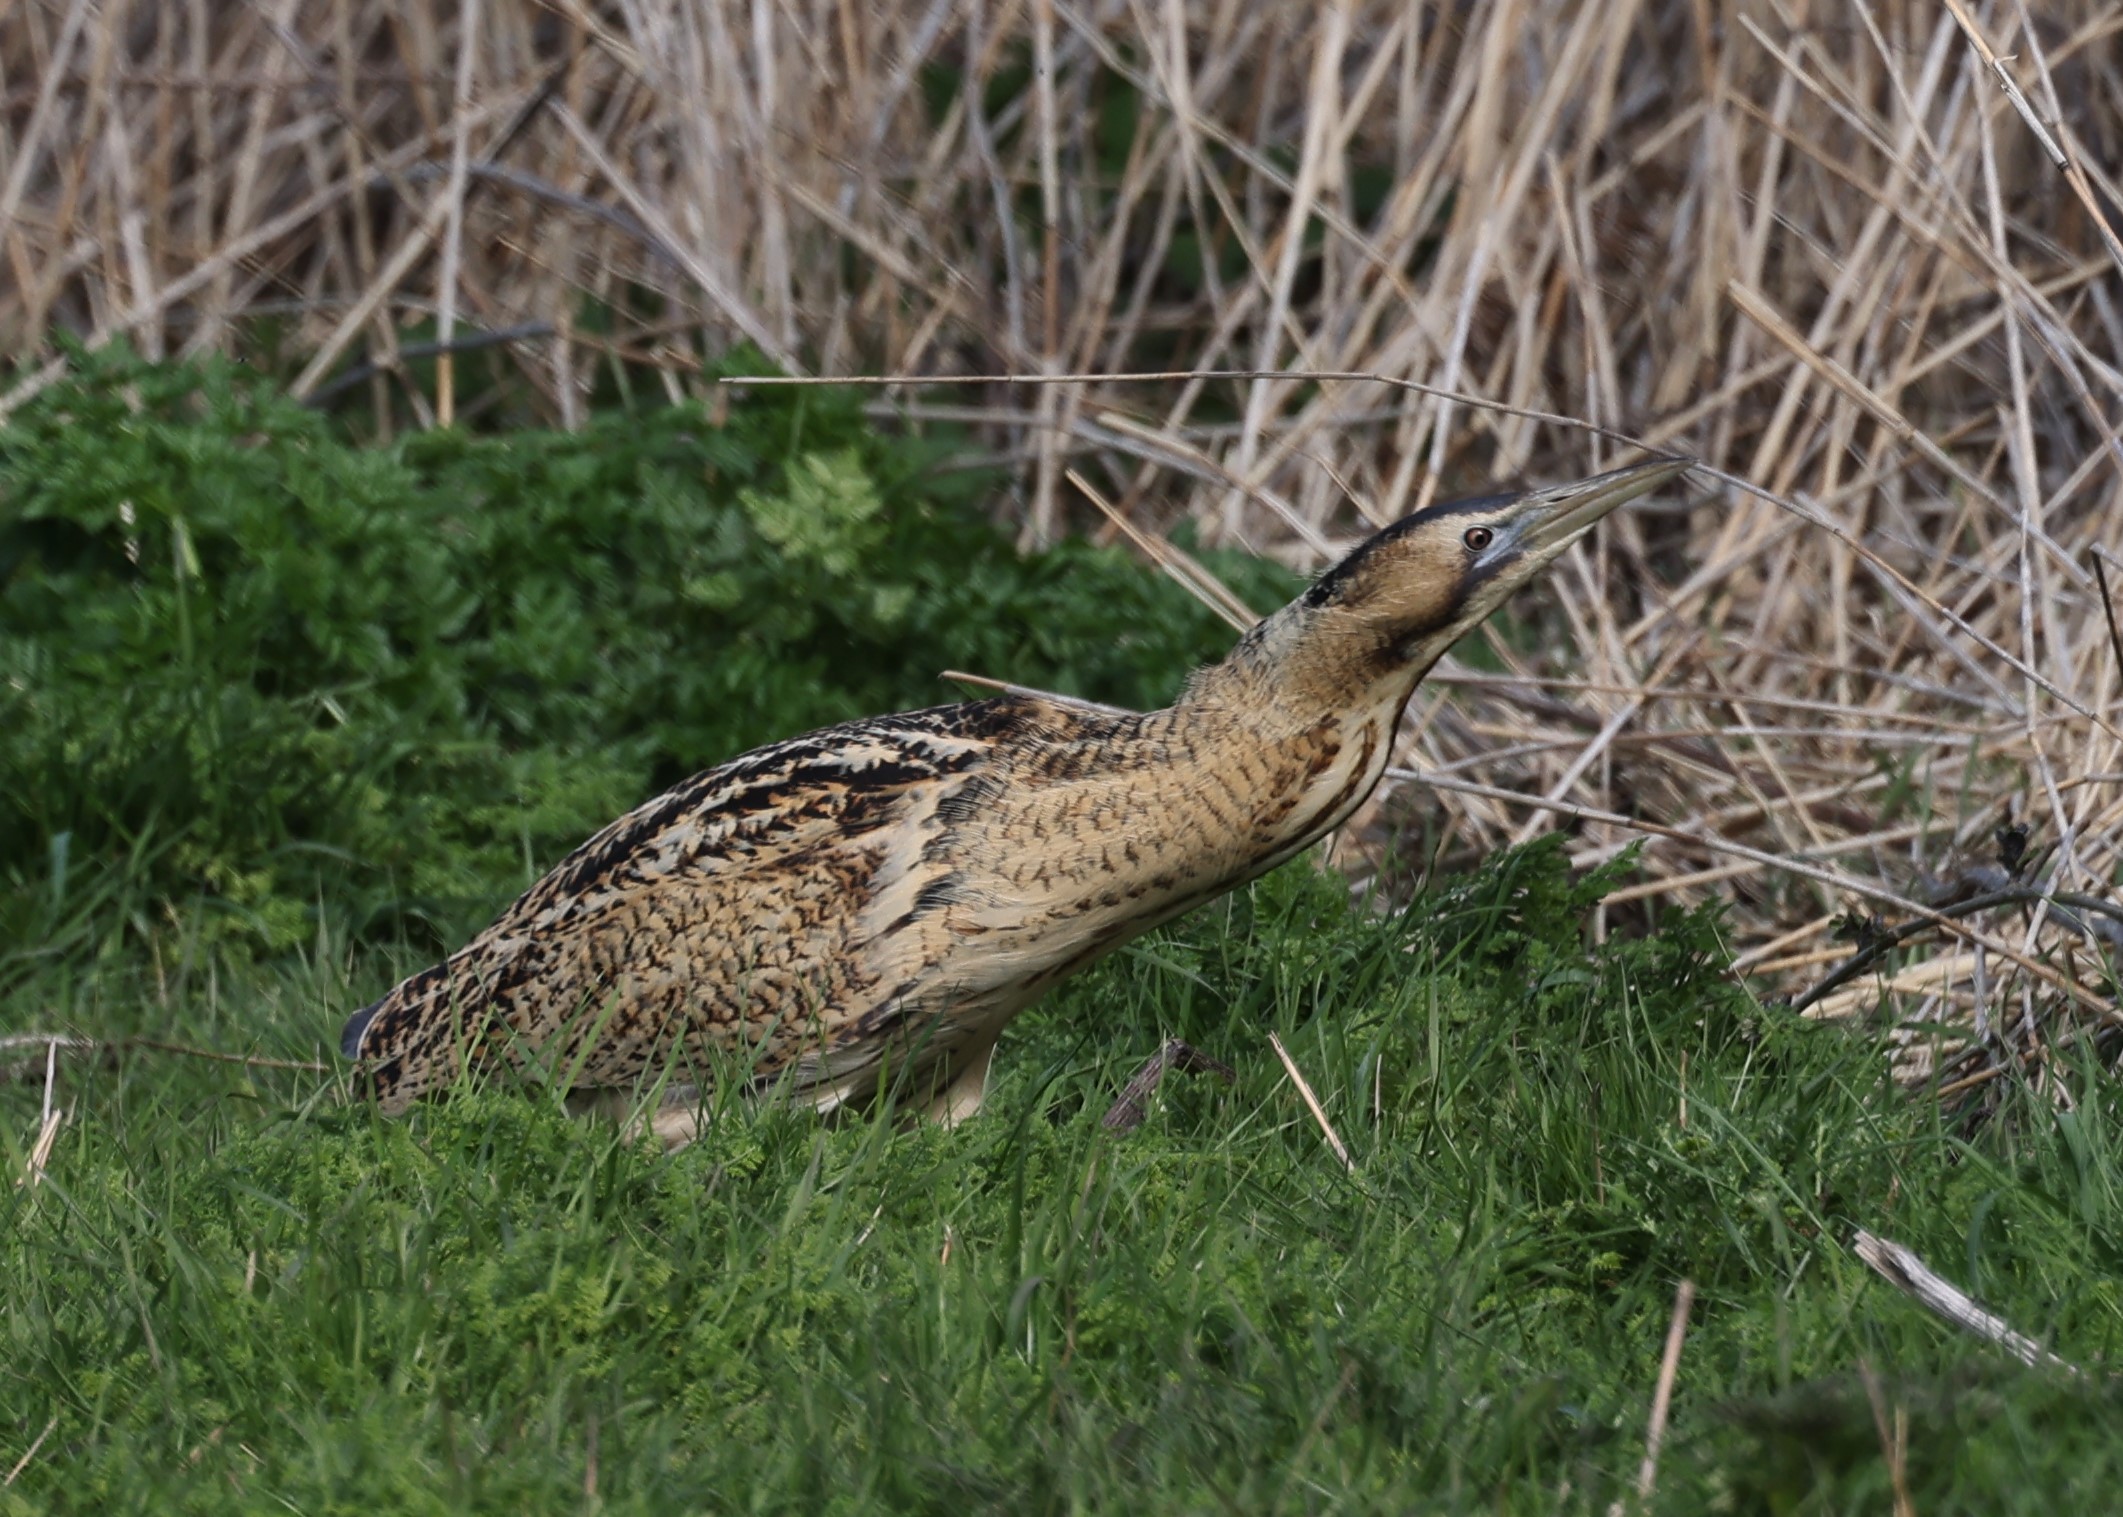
[[246, 668], [308, 712]]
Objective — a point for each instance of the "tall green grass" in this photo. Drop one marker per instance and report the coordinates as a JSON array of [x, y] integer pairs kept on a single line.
[[308, 711], [234, 1292]]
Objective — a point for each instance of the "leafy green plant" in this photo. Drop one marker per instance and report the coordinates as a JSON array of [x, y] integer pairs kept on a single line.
[[246, 669]]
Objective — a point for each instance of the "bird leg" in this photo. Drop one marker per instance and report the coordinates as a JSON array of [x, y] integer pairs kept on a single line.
[[676, 1122], [1127, 1113], [968, 1088], [678, 1119]]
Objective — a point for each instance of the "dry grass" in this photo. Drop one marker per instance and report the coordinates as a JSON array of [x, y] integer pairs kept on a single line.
[[1820, 247]]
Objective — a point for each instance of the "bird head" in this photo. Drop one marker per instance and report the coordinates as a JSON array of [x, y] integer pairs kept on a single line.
[[1389, 610], [1430, 578]]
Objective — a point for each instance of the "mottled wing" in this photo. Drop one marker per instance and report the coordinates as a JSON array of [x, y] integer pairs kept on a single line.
[[762, 907]]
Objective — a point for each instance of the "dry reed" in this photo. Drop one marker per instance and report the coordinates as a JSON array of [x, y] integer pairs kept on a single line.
[[1861, 257]]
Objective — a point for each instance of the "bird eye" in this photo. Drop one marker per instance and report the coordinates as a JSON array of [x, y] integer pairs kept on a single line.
[[1479, 538]]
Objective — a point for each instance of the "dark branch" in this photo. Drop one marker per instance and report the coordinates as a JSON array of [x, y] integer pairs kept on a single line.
[[2108, 605], [1127, 1113], [468, 343], [2088, 916]]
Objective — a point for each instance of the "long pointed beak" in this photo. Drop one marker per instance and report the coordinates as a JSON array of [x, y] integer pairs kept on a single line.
[[1563, 512]]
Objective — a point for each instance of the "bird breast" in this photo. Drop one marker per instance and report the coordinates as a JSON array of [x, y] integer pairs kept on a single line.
[[1084, 846]]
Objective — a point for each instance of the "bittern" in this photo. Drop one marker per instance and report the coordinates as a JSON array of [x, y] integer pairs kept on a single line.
[[877, 900]]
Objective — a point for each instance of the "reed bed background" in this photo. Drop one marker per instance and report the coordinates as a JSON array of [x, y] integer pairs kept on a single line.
[[1822, 248]]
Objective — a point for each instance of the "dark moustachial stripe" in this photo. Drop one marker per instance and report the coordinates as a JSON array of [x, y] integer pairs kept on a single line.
[[1333, 586]]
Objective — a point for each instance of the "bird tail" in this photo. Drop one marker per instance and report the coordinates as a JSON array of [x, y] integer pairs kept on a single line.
[[356, 1025]]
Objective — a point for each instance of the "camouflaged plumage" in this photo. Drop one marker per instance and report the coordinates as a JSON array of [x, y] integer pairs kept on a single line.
[[888, 893]]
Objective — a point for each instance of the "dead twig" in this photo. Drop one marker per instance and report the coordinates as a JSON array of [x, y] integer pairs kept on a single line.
[[1901, 1268], [1132, 1106], [1312, 1104], [468, 342], [31, 1452], [47, 1127], [2104, 922], [1198, 376], [1662, 1396], [982, 682], [111, 1048], [1894, 1440], [2099, 560]]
